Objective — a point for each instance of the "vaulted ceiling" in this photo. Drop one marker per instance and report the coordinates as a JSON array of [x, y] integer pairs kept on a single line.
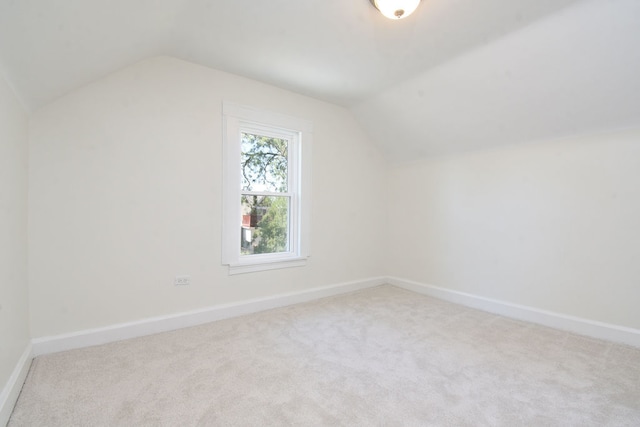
[[456, 75]]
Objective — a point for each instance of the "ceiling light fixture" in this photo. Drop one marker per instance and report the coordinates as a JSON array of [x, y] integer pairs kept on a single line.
[[396, 9]]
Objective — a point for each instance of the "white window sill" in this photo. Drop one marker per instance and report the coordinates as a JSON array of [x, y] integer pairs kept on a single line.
[[241, 268]]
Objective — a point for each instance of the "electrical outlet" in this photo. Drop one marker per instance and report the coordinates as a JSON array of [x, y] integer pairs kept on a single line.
[[182, 280]]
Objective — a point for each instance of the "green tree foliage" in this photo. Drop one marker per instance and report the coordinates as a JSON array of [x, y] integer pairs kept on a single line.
[[264, 163], [272, 229]]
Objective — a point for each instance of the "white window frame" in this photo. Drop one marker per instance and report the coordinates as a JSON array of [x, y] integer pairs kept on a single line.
[[299, 132]]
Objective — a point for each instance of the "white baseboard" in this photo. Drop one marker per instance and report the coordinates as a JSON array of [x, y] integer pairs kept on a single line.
[[159, 324], [90, 337], [11, 390], [591, 328]]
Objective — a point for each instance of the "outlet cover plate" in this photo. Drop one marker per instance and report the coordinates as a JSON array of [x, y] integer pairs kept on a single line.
[[182, 280]]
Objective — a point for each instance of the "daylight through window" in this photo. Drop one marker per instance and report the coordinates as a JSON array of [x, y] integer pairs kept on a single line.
[[265, 198]]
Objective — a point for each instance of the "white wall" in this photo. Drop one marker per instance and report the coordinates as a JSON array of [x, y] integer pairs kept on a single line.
[[125, 190], [553, 225], [14, 295]]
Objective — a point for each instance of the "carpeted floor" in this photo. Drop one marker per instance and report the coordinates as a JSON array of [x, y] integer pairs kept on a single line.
[[382, 356]]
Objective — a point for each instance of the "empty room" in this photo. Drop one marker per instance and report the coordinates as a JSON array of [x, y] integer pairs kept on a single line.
[[320, 213]]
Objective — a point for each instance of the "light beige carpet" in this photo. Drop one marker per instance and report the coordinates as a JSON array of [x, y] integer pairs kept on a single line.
[[383, 356]]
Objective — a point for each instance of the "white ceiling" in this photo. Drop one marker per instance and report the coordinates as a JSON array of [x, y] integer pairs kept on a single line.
[[455, 75]]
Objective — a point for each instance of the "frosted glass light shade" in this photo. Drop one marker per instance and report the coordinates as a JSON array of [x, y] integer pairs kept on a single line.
[[396, 9]]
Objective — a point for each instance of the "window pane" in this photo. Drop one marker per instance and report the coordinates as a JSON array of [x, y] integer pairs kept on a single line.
[[265, 225], [264, 163]]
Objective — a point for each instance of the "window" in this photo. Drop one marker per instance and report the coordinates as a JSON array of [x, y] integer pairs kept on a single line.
[[266, 193]]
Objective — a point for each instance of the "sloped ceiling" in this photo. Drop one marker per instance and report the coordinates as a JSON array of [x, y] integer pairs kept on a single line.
[[456, 75]]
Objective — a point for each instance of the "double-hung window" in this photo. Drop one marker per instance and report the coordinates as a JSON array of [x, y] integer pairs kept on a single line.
[[267, 184]]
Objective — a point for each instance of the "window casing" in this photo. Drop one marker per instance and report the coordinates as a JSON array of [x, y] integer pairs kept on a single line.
[[266, 189]]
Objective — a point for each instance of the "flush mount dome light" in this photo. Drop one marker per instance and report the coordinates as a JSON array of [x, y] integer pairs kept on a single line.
[[396, 9]]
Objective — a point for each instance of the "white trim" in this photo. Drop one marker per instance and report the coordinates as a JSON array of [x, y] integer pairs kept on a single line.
[[271, 265], [304, 192], [159, 324], [591, 328], [269, 118], [299, 132], [230, 190], [11, 390]]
